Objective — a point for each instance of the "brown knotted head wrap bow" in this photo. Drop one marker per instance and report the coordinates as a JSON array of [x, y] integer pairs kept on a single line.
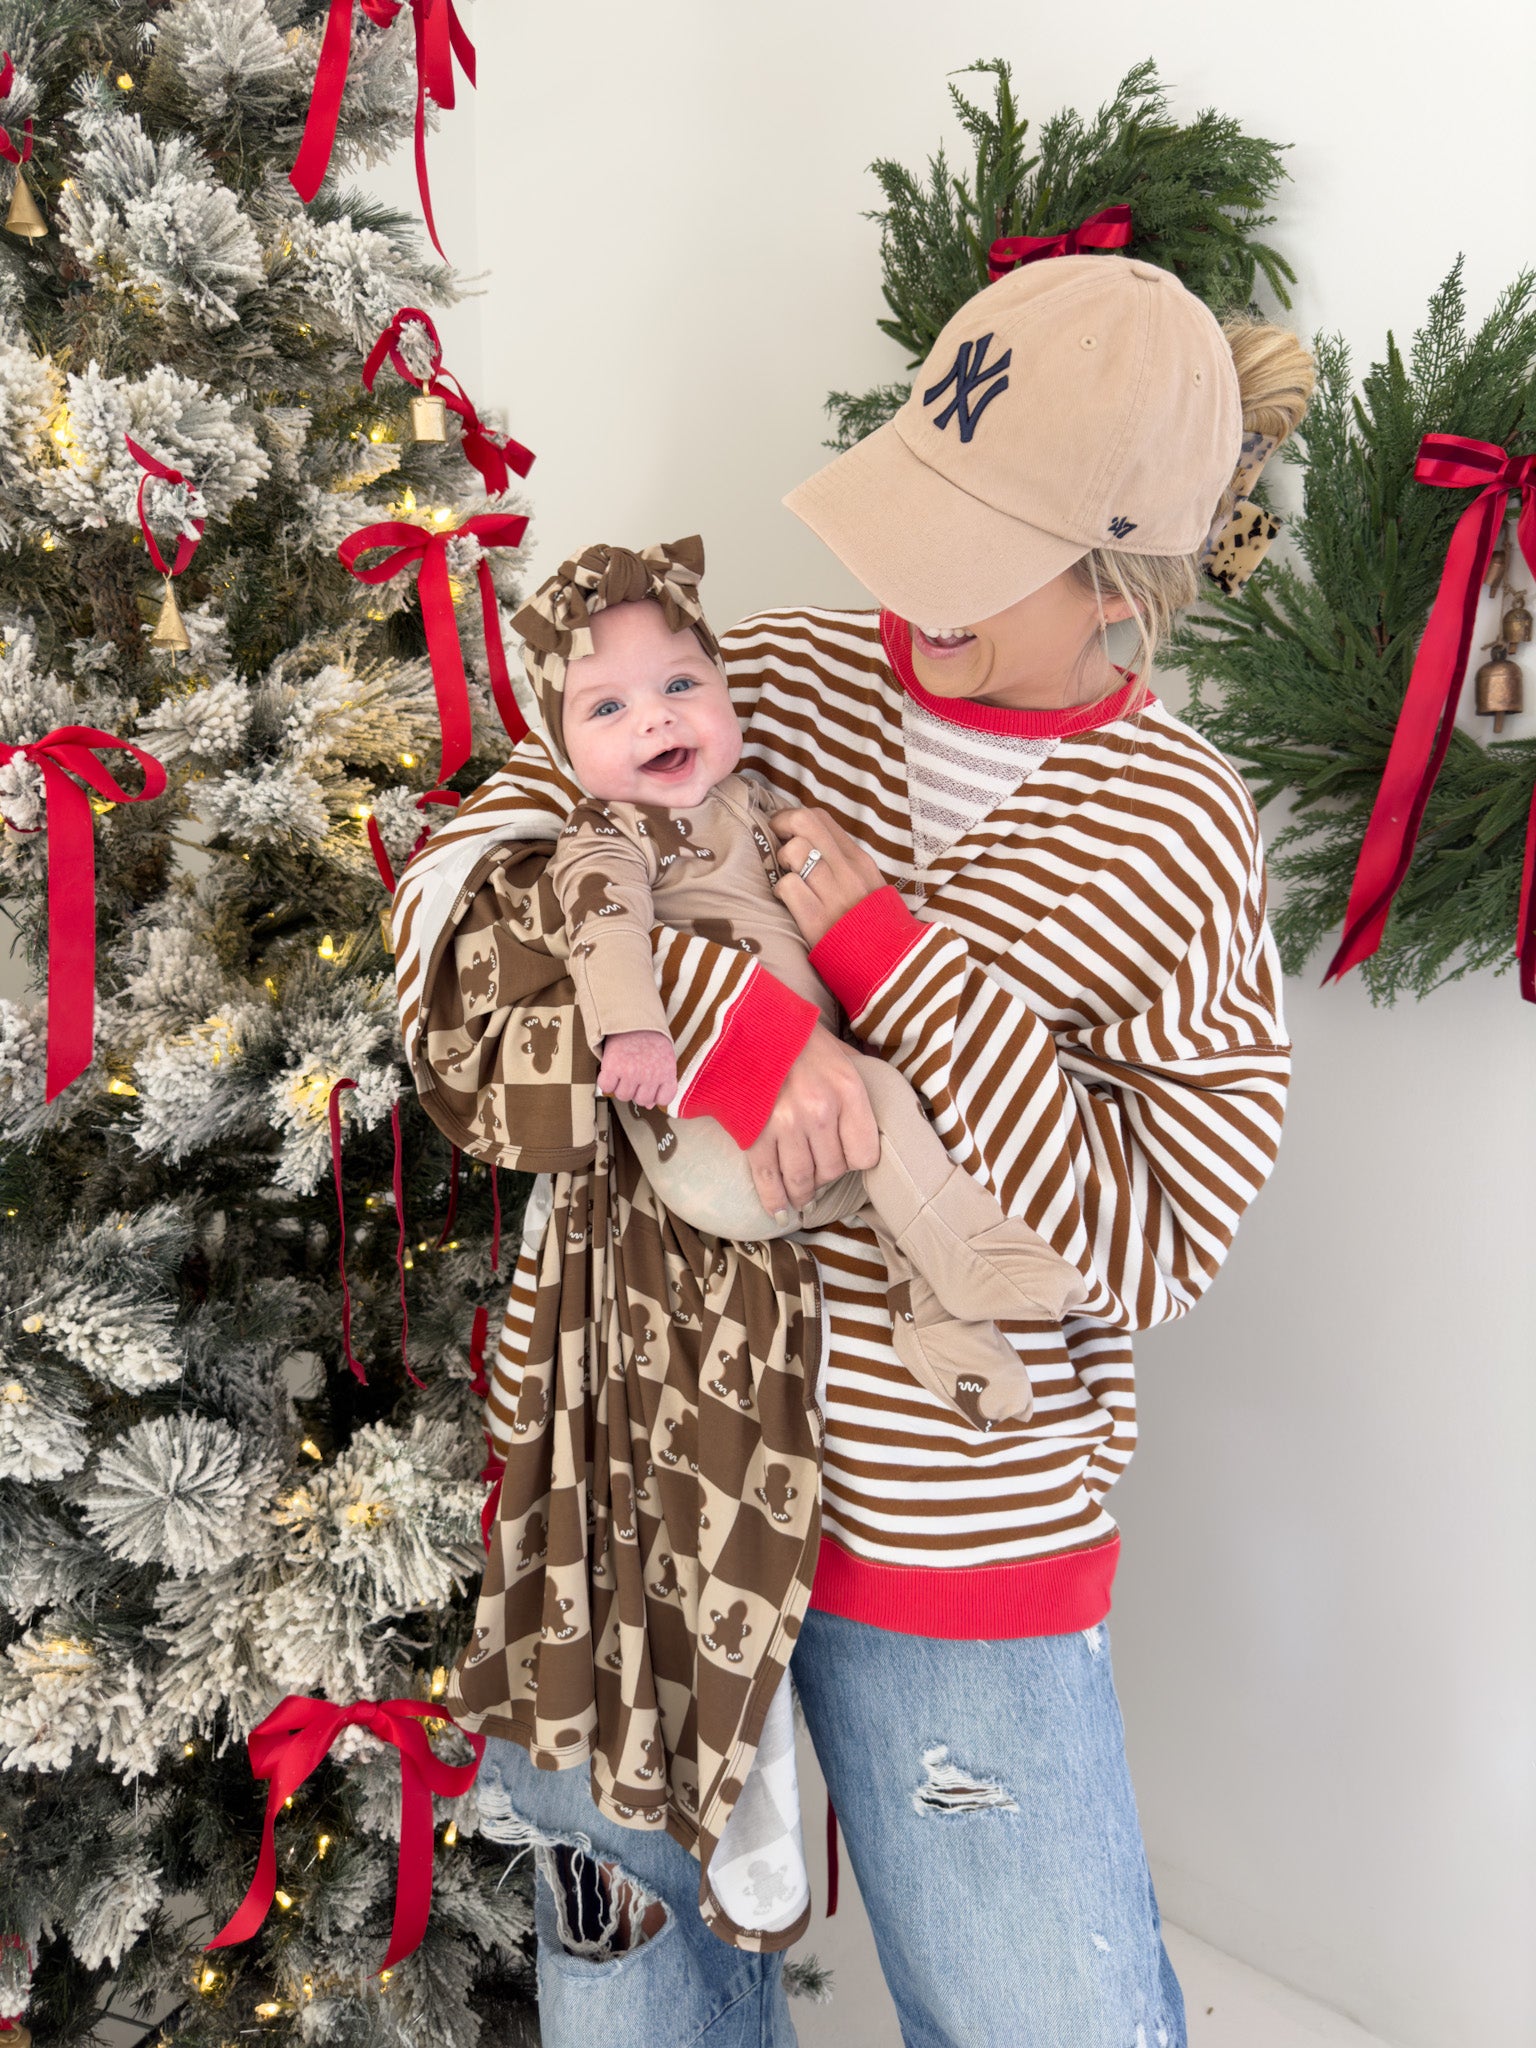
[[556, 621]]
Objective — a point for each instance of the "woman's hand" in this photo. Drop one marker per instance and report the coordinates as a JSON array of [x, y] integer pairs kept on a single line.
[[843, 876], [820, 1126]]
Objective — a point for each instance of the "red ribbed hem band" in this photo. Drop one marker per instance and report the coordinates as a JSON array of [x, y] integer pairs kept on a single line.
[[764, 1034], [1043, 1596], [896, 635], [865, 947]]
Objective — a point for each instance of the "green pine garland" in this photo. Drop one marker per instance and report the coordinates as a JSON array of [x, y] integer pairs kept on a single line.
[[1197, 193], [1300, 678]]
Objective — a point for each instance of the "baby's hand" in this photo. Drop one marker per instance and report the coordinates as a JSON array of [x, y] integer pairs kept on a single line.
[[638, 1067]]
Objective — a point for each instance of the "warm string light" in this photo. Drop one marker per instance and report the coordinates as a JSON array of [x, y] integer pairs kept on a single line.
[[322, 1843], [327, 948], [311, 1449]]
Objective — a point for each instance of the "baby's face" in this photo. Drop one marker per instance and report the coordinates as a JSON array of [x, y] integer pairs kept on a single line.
[[647, 716]]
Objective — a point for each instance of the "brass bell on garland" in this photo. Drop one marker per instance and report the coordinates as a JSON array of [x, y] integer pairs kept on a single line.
[[1498, 562], [170, 631], [1500, 686], [1516, 626], [429, 417], [26, 216]]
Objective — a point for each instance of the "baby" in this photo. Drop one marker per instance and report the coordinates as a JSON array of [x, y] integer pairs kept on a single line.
[[670, 833]]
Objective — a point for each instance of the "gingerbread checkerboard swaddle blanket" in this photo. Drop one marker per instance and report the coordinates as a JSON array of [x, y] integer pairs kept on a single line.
[[659, 1512]]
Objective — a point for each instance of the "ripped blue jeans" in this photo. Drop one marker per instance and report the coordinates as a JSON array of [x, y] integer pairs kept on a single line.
[[987, 1810]]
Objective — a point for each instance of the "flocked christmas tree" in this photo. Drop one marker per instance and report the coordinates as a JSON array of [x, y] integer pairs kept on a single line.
[[202, 1508]]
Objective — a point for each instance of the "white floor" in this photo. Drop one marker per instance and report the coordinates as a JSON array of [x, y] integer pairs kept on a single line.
[[1229, 2005]]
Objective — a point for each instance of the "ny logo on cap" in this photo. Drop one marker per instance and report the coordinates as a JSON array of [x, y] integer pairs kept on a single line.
[[968, 373]]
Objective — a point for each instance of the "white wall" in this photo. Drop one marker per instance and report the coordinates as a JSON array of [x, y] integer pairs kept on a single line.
[[1323, 1629]]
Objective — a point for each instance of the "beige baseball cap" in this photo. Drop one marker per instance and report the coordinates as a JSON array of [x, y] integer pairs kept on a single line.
[[1080, 402]]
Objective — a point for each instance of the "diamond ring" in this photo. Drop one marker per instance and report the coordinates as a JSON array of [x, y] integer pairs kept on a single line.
[[809, 862]]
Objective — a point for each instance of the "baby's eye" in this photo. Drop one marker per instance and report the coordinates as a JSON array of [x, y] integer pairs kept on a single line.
[[679, 683], [602, 710]]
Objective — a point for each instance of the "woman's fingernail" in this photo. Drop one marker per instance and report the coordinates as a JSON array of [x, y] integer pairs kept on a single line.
[[781, 1215]]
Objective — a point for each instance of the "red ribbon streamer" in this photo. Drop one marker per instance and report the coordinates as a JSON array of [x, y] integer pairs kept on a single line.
[[479, 1330], [493, 1471], [156, 470], [67, 751], [1428, 716], [1110, 228], [429, 550], [289, 1746], [491, 454], [380, 851], [454, 1157], [333, 1110], [397, 1173], [8, 149], [440, 38]]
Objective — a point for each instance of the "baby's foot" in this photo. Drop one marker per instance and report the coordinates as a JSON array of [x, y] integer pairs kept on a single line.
[[970, 1366]]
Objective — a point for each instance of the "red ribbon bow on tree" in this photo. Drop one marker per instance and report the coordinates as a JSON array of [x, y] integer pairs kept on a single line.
[[430, 549], [1428, 716], [8, 149], [1110, 228], [157, 471], [294, 1740], [440, 37], [67, 751], [491, 454]]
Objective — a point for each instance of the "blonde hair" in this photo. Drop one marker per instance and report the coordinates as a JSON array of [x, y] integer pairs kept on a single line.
[[1275, 377]]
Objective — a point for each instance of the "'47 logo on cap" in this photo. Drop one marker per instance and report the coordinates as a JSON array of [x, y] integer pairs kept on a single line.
[[968, 373]]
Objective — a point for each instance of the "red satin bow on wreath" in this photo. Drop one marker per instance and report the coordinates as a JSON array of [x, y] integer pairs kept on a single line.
[[1110, 228], [294, 1740], [1428, 716], [440, 38], [67, 751], [8, 149], [491, 454], [430, 549]]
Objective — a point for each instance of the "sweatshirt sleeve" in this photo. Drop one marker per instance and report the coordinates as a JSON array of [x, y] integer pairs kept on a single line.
[[602, 874], [1132, 1146]]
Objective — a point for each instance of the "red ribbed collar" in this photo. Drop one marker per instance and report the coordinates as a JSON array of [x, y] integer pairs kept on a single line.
[[1040, 725]]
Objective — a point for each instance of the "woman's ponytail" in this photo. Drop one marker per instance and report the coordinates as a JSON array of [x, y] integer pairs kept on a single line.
[[1275, 378]]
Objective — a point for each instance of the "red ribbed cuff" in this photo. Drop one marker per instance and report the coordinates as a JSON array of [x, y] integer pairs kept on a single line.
[[1043, 1596], [865, 947], [742, 1073]]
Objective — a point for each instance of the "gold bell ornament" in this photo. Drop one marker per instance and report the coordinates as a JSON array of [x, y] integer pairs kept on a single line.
[[1500, 686], [429, 417], [1498, 562], [17, 2035], [1516, 625], [170, 628], [25, 216]]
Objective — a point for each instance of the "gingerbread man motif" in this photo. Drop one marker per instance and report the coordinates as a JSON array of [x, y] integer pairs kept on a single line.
[[683, 1431], [623, 1508], [477, 979], [650, 1749], [666, 1585], [487, 1122], [659, 1124], [776, 1493], [591, 900], [534, 1541], [729, 1632], [543, 1040], [531, 1414], [670, 836], [968, 1393], [735, 1381], [555, 1626], [721, 932]]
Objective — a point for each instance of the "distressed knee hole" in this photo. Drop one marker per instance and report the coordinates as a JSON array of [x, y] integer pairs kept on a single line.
[[946, 1788], [1094, 1638], [601, 1911]]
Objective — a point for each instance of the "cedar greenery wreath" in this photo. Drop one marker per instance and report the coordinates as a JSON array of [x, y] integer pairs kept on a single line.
[[1300, 675]]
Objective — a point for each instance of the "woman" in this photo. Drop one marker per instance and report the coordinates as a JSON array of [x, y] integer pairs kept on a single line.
[[1042, 898]]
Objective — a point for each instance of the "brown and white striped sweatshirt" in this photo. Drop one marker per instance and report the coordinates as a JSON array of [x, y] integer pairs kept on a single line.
[[1084, 991]]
